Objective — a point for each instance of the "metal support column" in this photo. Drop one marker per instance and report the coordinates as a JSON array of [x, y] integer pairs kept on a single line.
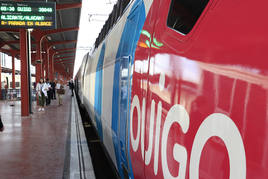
[[48, 67], [43, 66], [0, 76], [37, 72], [51, 66], [24, 74], [13, 72], [29, 69], [38, 64]]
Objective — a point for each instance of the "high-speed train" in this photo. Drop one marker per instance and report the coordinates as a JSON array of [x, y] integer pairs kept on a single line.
[[179, 88]]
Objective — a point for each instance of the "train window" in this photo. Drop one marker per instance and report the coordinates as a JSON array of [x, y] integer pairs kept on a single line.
[[17, 84], [97, 41], [110, 21], [113, 15], [125, 3], [104, 30], [121, 8], [107, 27], [102, 34], [183, 14], [116, 13], [118, 10]]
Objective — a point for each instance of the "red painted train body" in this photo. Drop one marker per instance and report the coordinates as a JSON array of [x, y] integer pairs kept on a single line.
[[199, 91]]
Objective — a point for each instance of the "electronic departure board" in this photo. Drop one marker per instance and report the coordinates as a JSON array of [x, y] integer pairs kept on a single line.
[[30, 15]]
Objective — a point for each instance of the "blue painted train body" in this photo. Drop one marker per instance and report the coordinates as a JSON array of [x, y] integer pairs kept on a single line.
[[104, 83]]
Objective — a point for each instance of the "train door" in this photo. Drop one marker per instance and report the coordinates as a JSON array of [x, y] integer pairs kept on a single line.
[[83, 76], [125, 91], [122, 89], [124, 103], [168, 74], [98, 92]]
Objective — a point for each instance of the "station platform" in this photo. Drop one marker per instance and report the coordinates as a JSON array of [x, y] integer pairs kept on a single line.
[[45, 145]]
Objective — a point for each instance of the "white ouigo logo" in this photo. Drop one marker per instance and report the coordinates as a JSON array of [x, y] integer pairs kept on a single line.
[[216, 124]]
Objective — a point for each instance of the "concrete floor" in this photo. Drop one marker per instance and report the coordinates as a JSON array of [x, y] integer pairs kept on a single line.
[[34, 147]]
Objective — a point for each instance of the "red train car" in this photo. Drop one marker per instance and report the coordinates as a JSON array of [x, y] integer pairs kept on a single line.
[[197, 85]]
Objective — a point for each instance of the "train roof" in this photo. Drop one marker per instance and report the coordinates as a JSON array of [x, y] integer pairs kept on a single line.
[[117, 12]]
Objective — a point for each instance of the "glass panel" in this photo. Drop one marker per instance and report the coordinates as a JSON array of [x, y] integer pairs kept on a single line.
[[183, 14]]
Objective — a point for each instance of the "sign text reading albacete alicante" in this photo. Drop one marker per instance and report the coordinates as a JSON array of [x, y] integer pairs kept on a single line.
[[32, 15]]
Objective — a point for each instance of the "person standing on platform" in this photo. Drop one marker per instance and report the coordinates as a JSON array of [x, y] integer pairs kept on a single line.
[[41, 95], [48, 92], [6, 91], [1, 125], [60, 92], [71, 86], [53, 86]]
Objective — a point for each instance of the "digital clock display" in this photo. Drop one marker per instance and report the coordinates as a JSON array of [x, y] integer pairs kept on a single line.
[[27, 15], [7, 8]]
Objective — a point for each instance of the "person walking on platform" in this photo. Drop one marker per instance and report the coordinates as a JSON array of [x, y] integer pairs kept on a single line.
[[60, 92], [53, 86], [71, 86], [41, 94], [48, 92]]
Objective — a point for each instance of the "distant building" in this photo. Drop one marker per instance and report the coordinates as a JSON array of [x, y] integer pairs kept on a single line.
[[6, 75]]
